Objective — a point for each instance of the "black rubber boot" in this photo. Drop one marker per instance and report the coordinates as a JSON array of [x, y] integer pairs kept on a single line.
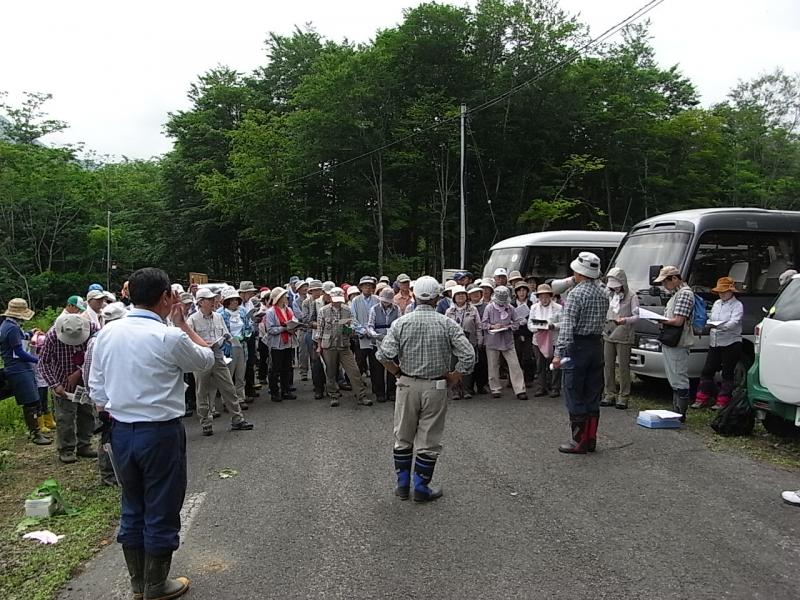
[[402, 467], [681, 400], [157, 586], [134, 559], [32, 421], [579, 444], [423, 473]]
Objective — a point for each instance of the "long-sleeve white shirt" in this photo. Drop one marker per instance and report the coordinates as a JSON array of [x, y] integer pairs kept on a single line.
[[138, 365], [730, 312]]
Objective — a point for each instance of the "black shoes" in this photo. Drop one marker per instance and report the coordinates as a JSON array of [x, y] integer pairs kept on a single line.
[[607, 402], [318, 395], [241, 426], [208, 430], [522, 396], [86, 452], [289, 396], [381, 399]]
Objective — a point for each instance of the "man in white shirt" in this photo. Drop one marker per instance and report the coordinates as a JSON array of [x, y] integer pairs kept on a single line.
[[95, 301], [136, 376]]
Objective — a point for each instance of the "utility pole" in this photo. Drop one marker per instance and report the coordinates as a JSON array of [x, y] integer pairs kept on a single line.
[[463, 209], [108, 250]]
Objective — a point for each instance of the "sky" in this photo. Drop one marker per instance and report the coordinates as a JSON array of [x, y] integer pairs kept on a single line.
[[116, 69]]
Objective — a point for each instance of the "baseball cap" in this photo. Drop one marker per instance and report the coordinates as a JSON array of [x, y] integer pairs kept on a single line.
[[77, 302], [668, 271]]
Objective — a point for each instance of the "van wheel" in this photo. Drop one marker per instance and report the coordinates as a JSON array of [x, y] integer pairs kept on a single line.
[[780, 427]]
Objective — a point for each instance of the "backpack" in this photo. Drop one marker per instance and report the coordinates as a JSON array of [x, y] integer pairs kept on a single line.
[[699, 315], [738, 417]]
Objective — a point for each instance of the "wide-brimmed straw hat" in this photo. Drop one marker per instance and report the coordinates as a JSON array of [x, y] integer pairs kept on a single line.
[[72, 330], [544, 289], [514, 276], [521, 283], [725, 284], [18, 309]]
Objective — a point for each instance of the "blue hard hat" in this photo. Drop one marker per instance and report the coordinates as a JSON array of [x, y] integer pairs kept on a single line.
[[95, 287]]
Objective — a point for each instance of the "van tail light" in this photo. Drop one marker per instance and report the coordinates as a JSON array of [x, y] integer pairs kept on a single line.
[[758, 338]]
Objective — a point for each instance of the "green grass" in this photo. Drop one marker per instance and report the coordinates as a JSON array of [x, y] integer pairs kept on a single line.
[[11, 420], [761, 446], [33, 571]]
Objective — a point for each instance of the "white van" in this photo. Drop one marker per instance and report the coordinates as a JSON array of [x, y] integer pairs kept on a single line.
[[546, 255]]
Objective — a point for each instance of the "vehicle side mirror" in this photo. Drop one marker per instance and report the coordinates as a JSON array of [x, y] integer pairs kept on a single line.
[[654, 271], [764, 311]]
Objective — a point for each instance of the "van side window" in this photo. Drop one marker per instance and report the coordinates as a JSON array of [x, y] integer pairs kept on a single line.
[[753, 260]]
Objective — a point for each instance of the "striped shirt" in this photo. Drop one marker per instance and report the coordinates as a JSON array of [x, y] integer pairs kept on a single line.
[[424, 341], [584, 314]]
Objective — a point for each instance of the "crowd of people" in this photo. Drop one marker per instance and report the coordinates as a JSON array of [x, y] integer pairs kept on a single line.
[[415, 343]]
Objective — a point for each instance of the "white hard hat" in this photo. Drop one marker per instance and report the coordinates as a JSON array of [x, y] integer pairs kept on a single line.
[[427, 288], [500, 271]]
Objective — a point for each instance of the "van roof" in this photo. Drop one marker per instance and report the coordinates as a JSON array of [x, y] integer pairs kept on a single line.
[[718, 216], [562, 238]]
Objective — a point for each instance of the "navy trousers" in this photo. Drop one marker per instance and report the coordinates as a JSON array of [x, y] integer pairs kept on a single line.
[[151, 458], [583, 376]]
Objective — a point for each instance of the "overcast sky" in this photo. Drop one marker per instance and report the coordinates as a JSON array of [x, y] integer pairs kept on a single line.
[[116, 69]]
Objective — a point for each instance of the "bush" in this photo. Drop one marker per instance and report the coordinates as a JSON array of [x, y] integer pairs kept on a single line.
[[43, 319], [11, 416]]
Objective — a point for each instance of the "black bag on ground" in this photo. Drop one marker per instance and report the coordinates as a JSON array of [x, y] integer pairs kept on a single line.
[[738, 417], [670, 335]]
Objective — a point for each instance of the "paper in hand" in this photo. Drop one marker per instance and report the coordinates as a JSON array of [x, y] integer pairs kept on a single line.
[[650, 315]]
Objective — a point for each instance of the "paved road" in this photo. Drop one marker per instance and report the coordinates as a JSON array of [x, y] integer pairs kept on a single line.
[[311, 514]]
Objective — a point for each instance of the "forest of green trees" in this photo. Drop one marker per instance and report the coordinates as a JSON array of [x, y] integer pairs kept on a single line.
[[260, 183]]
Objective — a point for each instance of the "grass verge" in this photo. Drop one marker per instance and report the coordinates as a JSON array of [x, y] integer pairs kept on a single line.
[[761, 445], [33, 571]]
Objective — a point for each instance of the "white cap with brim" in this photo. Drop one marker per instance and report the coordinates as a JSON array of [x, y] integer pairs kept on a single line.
[[613, 283], [205, 294], [95, 295], [115, 311], [337, 294], [586, 264]]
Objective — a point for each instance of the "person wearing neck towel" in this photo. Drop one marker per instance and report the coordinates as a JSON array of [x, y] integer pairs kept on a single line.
[[543, 324], [282, 341], [136, 376], [333, 343], [381, 317], [238, 324], [580, 340], [618, 337], [467, 317], [499, 323], [480, 374], [360, 307], [210, 326]]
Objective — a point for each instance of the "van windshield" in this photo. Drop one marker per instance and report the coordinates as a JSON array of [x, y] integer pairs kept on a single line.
[[639, 252], [508, 258], [787, 306]]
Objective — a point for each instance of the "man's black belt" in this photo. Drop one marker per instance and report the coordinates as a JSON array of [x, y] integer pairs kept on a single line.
[[401, 374]]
